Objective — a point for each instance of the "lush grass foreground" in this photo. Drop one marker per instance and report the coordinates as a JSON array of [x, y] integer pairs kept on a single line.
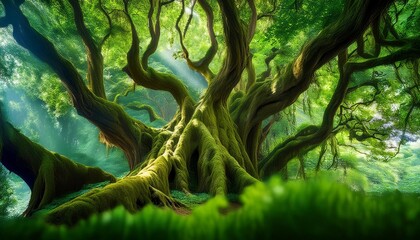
[[272, 210]]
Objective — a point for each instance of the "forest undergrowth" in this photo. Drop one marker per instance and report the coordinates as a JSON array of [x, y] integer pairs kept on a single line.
[[318, 208]]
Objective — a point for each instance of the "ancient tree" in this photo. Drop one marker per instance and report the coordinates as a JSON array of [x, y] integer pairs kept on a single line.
[[213, 143]]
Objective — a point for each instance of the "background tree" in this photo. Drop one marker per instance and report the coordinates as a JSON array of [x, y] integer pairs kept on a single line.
[[6, 200], [214, 140]]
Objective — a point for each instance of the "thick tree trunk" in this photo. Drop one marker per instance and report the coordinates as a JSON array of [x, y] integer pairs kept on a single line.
[[203, 154], [206, 148]]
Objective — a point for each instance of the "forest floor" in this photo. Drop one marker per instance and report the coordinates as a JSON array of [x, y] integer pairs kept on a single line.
[[296, 209]]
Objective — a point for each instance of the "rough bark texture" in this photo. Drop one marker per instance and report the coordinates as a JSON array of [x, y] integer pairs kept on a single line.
[[211, 145], [116, 126], [268, 97]]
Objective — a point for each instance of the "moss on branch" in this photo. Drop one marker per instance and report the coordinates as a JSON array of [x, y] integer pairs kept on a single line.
[[202, 65], [312, 136], [139, 71], [49, 175], [271, 96], [153, 116], [237, 54], [117, 128]]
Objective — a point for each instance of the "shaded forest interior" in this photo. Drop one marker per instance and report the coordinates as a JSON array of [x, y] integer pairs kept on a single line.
[[123, 104]]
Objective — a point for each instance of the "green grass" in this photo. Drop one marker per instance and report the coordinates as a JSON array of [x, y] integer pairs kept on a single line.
[[274, 210]]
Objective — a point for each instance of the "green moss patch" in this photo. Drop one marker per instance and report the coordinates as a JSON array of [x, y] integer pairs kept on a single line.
[[319, 208]]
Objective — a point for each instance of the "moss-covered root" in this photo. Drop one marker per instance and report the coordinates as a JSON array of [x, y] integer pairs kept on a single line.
[[217, 170], [200, 154], [210, 152], [132, 192], [192, 155], [48, 174]]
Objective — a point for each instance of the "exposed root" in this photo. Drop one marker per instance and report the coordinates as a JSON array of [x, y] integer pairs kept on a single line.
[[132, 192], [199, 150]]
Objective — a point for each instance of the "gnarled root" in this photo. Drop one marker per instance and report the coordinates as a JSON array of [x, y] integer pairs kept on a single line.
[[201, 154]]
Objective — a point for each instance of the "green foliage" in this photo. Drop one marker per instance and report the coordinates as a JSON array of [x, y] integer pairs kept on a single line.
[[52, 20], [298, 20], [314, 209], [266, 208], [190, 200], [400, 173], [21, 73], [54, 95], [304, 16], [408, 15], [7, 201]]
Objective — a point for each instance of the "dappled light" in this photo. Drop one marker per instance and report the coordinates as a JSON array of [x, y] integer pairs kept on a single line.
[[261, 119]]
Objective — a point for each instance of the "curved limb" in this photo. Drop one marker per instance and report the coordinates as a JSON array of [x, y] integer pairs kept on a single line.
[[253, 21], [268, 97], [271, 13], [264, 75], [143, 107], [304, 142], [94, 56], [187, 25], [139, 70], [154, 31], [237, 54], [110, 25], [125, 93], [117, 128], [202, 65], [48, 175]]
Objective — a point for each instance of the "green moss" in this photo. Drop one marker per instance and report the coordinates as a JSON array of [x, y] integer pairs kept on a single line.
[[48, 174], [190, 200], [315, 209], [61, 200]]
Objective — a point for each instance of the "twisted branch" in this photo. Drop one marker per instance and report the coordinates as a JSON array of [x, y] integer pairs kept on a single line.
[[140, 72], [202, 65]]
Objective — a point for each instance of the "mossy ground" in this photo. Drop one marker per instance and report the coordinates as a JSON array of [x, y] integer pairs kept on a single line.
[[272, 210]]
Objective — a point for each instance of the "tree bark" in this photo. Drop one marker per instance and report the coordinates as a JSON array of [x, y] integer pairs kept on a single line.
[[95, 60], [209, 146], [117, 128], [271, 96], [312, 136], [48, 175]]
